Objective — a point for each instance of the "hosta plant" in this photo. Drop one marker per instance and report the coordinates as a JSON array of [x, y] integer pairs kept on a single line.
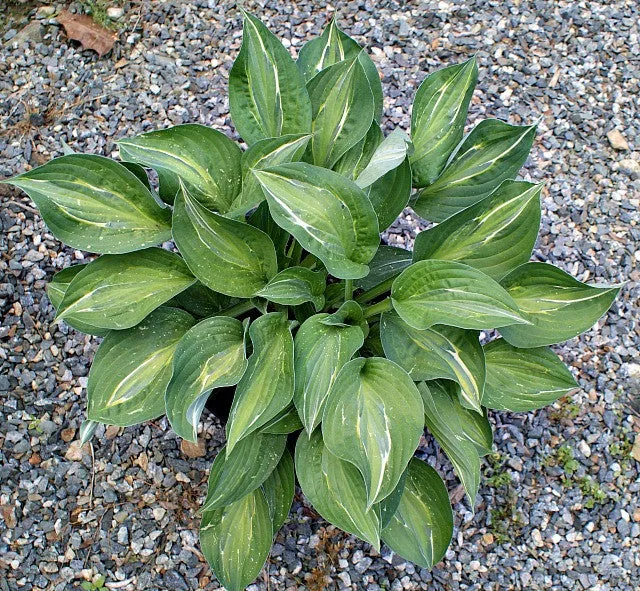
[[257, 277]]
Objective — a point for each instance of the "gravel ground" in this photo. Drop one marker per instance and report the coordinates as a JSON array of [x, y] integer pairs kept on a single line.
[[558, 510]]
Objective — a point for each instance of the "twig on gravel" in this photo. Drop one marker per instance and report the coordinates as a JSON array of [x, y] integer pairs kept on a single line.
[[24, 206]]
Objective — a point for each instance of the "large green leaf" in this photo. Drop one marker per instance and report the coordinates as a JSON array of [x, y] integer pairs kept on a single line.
[[117, 291], [266, 388], [334, 46], [294, 286], [343, 110], [335, 489], [267, 95], [279, 489], [389, 154], [57, 287], [202, 302], [388, 262], [495, 235], [132, 368], [320, 351], [421, 528], [464, 435], [558, 306], [493, 152], [236, 473], [328, 215], [261, 219], [204, 159], [438, 116], [285, 422], [373, 419], [95, 204], [236, 540], [521, 380], [390, 194], [437, 352], [210, 355], [356, 158], [445, 292], [263, 154], [228, 256], [389, 505]]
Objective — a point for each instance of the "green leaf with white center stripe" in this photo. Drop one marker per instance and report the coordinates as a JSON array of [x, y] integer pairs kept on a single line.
[[390, 154], [465, 436], [236, 473], [558, 306], [521, 380], [236, 540], [334, 46], [287, 421], [446, 292], [437, 352], [95, 204], [279, 489], [390, 194], [57, 287], [116, 291], [495, 235], [336, 489], [204, 159], [132, 368], [493, 152], [356, 158], [438, 116], [266, 388], [373, 419], [320, 352], [421, 528], [343, 110], [267, 95], [228, 256], [326, 213], [294, 286], [210, 355], [388, 262]]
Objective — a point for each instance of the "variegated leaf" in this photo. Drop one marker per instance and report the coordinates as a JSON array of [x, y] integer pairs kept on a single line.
[[493, 152], [117, 291], [557, 306], [389, 505], [261, 219], [294, 286], [356, 158], [266, 388], [202, 302], [95, 204], [521, 380], [279, 489], [210, 355], [388, 262], [267, 95], [389, 154], [446, 292], [132, 368], [373, 419], [204, 159], [390, 194], [285, 422]]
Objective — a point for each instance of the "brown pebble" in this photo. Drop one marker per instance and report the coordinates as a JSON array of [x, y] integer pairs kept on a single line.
[[193, 450], [68, 434]]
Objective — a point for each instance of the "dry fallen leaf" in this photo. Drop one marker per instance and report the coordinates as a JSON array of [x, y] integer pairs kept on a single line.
[[82, 28]]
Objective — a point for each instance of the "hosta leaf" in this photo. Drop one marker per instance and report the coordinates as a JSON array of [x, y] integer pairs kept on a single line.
[[350, 313], [57, 287], [495, 235], [117, 291], [210, 355], [388, 262], [373, 419], [335, 489], [389, 505], [328, 215], [294, 286], [228, 256], [320, 353], [267, 95], [261, 219], [204, 159], [493, 152], [438, 116], [389, 154], [465, 436], [521, 380], [558, 306], [287, 421], [95, 204], [390, 194], [334, 46], [422, 526], [279, 489], [437, 352], [263, 154], [132, 368], [201, 301], [356, 158], [266, 388], [236, 473], [343, 110], [236, 540], [445, 292]]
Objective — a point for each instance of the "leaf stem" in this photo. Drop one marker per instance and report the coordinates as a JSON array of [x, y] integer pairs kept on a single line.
[[348, 289], [237, 310], [376, 291], [295, 253], [379, 308]]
